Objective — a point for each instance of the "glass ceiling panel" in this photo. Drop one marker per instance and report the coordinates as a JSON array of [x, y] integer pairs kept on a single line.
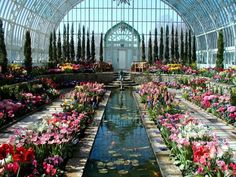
[[42, 16]]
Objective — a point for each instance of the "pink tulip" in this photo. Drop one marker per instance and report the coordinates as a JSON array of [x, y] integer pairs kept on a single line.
[[231, 109]]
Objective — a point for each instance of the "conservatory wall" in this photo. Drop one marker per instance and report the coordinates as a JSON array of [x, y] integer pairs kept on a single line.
[[41, 17], [143, 16]]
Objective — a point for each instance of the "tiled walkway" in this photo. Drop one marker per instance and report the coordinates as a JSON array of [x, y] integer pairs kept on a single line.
[[34, 118]]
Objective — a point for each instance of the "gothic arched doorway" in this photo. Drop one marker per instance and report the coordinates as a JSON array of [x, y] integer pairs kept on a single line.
[[122, 46]]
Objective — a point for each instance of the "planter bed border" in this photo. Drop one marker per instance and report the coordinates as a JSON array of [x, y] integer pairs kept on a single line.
[[76, 165], [160, 150]]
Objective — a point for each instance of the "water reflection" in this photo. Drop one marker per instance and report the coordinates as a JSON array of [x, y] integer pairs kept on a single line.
[[121, 147]]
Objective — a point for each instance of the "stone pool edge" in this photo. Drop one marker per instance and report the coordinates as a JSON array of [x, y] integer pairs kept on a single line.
[[76, 165], [166, 166]]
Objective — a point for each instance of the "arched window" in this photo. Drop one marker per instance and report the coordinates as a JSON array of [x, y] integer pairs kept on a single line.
[[122, 43]]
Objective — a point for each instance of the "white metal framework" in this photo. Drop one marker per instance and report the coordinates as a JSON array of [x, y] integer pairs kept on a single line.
[[142, 15], [122, 37], [204, 17]]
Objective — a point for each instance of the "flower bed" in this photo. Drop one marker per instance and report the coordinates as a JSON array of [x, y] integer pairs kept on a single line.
[[218, 75], [194, 148], [215, 103], [171, 69], [17, 73], [21, 99], [52, 139], [72, 68]]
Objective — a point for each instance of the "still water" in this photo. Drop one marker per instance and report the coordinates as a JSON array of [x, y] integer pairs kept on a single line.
[[121, 147]]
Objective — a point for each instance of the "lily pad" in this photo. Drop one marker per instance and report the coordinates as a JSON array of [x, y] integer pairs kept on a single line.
[[116, 155], [135, 164], [111, 167], [123, 172], [100, 164], [119, 162], [135, 155], [103, 171], [134, 161], [127, 162], [109, 164], [120, 159], [111, 152]]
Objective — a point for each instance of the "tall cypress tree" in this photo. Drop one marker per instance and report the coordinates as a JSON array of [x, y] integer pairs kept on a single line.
[[186, 49], [150, 49], [172, 47], [161, 45], [93, 52], [59, 52], [3, 51], [155, 48], [190, 48], [28, 53], [68, 42], [50, 51], [72, 44], [220, 51], [194, 55], [143, 49], [101, 48], [83, 45], [88, 46], [78, 53], [54, 47], [176, 46], [167, 47], [64, 44], [182, 47]]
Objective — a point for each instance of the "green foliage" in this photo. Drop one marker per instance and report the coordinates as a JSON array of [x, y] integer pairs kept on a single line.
[[150, 49], [101, 48], [64, 44], [234, 80], [167, 55], [88, 46], [184, 80], [185, 62], [83, 45], [50, 52], [59, 52], [3, 51], [233, 96], [176, 46], [54, 47], [143, 49], [185, 95], [78, 53], [194, 55], [220, 51], [28, 53], [155, 48], [182, 47], [68, 42], [93, 52], [161, 45], [72, 45], [172, 46], [189, 48]]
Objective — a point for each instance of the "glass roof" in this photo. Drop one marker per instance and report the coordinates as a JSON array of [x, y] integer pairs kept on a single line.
[[204, 17]]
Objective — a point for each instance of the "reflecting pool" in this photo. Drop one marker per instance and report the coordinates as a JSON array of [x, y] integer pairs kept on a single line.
[[121, 147]]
